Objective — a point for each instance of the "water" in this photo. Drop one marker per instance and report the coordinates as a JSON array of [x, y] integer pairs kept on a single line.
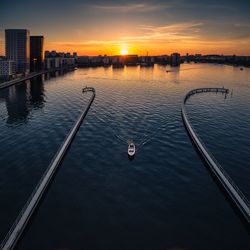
[[165, 198]]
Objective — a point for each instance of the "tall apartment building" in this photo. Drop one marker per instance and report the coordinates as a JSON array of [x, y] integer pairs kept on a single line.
[[36, 53], [17, 48]]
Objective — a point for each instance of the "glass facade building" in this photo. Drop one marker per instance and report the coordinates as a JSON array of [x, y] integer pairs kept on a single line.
[[17, 48]]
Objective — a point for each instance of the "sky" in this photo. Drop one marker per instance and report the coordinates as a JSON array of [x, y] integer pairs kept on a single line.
[[93, 27]]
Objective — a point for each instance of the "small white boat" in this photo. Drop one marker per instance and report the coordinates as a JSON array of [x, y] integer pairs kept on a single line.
[[131, 149]]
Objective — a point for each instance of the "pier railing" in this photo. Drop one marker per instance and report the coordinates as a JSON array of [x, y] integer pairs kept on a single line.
[[233, 190], [27, 211]]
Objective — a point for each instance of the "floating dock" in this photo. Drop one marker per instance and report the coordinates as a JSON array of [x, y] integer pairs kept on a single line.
[[230, 187], [23, 218]]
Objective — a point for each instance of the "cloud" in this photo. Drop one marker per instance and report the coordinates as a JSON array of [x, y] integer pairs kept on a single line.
[[174, 28], [131, 7], [171, 32], [242, 25], [162, 34], [204, 5], [176, 33], [184, 36], [85, 43]]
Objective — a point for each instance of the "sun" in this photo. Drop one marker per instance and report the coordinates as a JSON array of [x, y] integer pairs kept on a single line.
[[124, 52]]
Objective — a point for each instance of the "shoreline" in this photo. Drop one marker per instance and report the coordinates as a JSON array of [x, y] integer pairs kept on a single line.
[[10, 83]]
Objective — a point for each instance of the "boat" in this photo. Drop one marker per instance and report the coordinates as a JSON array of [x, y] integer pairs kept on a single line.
[[131, 149]]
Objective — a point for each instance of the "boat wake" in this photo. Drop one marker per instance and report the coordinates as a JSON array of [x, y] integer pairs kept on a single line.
[[128, 136]]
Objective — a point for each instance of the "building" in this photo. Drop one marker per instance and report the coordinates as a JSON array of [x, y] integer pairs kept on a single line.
[[7, 69], [175, 59], [58, 60], [17, 48], [52, 63], [83, 61], [163, 59], [36, 53], [106, 61], [131, 60]]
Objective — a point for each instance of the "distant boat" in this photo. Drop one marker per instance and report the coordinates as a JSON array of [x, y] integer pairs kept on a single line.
[[131, 149]]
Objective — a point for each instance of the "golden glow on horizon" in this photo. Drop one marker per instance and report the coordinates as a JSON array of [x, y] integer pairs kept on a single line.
[[124, 52], [140, 48], [123, 49], [153, 48]]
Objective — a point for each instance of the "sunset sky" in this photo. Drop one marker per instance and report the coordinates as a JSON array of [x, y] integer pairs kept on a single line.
[[108, 27]]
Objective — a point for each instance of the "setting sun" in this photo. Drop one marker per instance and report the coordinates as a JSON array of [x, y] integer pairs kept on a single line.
[[124, 52]]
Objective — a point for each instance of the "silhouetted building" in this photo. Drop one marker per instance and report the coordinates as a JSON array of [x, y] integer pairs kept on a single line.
[[175, 59], [83, 61], [36, 53], [131, 60], [106, 61], [17, 46], [117, 61], [163, 59]]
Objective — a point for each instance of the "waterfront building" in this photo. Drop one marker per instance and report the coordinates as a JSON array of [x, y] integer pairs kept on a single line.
[[106, 61], [60, 60], [17, 48], [47, 53], [175, 59], [36, 53], [163, 59], [52, 63], [117, 61], [131, 60], [7, 69], [96, 61], [83, 61]]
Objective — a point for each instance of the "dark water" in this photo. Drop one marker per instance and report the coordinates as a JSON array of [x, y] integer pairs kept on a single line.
[[165, 198]]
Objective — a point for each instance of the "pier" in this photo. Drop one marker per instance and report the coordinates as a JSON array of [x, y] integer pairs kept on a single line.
[[29, 208], [221, 175]]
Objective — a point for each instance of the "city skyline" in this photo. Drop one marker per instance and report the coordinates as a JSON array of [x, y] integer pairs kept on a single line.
[[159, 27], [125, 124]]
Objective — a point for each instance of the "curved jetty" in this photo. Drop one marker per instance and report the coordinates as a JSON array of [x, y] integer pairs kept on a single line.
[[22, 220], [231, 188]]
